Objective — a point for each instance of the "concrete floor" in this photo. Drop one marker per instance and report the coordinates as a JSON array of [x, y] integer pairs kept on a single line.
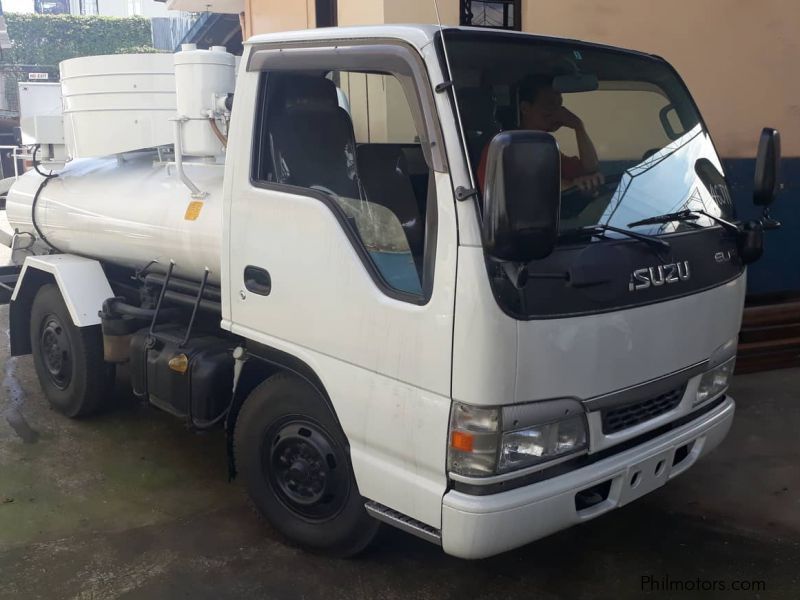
[[131, 505]]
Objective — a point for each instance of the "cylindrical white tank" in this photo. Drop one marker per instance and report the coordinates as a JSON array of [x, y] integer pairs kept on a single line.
[[201, 76], [129, 213]]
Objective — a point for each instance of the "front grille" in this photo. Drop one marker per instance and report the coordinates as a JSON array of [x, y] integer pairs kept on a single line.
[[622, 417]]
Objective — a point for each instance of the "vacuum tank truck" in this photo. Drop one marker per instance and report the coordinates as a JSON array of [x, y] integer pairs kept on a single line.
[[401, 301]]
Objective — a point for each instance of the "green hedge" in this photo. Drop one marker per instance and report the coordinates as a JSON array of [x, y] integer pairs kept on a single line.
[[140, 50], [49, 39]]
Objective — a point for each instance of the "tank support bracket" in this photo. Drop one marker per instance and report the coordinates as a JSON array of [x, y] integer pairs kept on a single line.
[[196, 191]]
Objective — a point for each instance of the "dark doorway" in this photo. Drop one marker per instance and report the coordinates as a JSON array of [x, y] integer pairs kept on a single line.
[[327, 13]]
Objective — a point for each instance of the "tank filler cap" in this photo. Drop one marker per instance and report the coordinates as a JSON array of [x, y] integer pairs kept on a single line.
[[188, 47]]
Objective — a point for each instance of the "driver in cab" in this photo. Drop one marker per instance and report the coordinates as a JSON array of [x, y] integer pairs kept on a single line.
[[541, 109]]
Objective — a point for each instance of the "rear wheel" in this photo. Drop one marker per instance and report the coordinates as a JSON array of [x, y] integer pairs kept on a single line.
[[292, 456], [68, 359]]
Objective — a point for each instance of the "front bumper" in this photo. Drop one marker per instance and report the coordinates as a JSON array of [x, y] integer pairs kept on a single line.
[[481, 526]]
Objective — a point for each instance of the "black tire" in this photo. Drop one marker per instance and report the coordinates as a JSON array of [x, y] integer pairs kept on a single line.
[[293, 458], [68, 359]]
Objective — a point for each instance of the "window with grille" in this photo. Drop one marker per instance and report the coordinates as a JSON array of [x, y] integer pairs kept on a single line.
[[498, 14]]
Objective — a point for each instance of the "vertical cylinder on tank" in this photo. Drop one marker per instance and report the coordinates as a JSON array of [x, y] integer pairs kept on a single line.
[[200, 76]]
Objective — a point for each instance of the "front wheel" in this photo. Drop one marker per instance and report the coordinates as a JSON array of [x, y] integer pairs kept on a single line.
[[292, 456], [68, 359]]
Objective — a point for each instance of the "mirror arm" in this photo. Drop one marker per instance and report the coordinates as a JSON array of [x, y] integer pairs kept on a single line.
[[443, 86], [519, 274], [463, 193], [767, 222]]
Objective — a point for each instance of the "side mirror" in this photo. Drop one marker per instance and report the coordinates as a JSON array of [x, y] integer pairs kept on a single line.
[[522, 196], [768, 161]]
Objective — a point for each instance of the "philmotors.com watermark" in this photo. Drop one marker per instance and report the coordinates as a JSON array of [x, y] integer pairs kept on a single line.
[[665, 583]]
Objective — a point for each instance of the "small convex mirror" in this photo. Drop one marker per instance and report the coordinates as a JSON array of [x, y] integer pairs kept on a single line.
[[768, 160]]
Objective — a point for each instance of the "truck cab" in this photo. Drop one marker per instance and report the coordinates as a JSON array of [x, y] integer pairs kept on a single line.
[[417, 317]]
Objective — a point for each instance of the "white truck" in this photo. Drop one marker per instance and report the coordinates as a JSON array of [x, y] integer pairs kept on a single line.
[[299, 252]]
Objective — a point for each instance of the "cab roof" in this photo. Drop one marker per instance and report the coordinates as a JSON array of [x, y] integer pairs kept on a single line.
[[418, 35]]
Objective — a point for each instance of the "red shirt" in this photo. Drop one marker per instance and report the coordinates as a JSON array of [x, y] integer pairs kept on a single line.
[[571, 167]]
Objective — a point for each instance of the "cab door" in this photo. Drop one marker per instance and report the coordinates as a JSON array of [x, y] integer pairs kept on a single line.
[[341, 250]]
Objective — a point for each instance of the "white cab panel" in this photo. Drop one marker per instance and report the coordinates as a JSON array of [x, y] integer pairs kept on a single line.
[[484, 340], [498, 360], [385, 363], [588, 356]]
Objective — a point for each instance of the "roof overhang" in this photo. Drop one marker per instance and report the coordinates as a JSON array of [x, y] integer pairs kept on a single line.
[[214, 6]]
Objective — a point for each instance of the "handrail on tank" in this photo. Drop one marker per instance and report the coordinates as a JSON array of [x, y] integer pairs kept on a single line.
[[196, 191]]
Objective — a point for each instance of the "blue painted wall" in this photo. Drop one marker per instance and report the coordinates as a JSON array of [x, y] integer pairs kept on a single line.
[[778, 271]]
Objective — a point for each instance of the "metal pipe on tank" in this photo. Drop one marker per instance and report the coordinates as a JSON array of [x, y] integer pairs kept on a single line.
[[196, 191]]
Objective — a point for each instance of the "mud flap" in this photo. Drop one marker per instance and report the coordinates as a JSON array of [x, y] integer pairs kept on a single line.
[[8, 281]]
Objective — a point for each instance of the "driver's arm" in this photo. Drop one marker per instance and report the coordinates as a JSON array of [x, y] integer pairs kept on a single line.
[[586, 151], [585, 183]]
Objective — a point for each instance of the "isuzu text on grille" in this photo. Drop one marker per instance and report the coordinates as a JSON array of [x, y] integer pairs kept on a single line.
[[643, 278]]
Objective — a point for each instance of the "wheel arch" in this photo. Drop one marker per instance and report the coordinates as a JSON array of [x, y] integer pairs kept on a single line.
[[81, 281], [264, 362]]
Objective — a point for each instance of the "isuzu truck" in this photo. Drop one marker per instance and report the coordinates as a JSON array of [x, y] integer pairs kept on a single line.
[[400, 303]]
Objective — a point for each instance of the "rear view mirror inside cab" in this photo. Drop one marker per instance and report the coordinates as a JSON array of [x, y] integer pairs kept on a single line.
[[576, 82]]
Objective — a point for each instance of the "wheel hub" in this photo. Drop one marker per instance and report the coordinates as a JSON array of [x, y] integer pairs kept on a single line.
[[305, 470], [56, 354]]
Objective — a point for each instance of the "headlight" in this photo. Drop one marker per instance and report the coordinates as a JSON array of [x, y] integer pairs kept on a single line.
[[489, 441], [541, 443], [715, 381]]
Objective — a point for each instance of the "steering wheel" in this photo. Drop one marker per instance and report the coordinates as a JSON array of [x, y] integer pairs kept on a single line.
[[574, 200], [610, 181], [650, 153]]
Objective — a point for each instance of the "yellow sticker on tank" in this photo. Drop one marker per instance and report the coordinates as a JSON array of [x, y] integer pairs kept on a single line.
[[193, 211]]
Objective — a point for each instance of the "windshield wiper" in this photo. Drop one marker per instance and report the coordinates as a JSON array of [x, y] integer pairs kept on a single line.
[[685, 216], [601, 228]]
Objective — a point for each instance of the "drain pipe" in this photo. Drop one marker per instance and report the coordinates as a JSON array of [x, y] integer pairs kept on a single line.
[[196, 191]]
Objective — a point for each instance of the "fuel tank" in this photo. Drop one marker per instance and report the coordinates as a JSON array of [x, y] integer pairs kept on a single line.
[[130, 211]]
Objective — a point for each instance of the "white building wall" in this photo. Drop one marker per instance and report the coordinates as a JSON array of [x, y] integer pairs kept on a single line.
[[124, 8], [146, 8]]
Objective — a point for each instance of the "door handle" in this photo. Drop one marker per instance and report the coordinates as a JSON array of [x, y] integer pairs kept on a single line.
[[257, 280]]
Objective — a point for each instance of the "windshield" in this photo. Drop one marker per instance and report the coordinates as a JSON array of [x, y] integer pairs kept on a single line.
[[633, 145]]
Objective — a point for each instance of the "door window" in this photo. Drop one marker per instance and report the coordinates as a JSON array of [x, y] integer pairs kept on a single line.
[[351, 139]]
